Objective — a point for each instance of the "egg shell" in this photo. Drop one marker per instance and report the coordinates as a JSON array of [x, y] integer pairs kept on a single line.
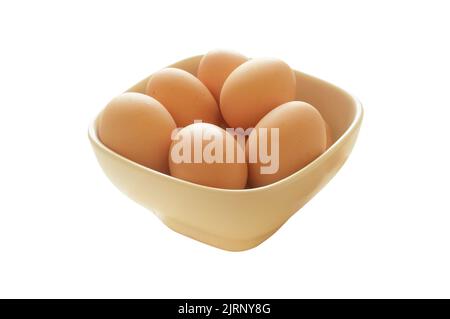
[[185, 97], [253, 89], [139, 128], [329, 135], [215, 67], [230, 175], [302, 138]]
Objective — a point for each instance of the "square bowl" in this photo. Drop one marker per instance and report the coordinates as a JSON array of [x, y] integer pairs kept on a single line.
[[237, 220]]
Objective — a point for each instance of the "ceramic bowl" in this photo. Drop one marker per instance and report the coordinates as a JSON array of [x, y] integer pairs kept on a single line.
[[237, 220]]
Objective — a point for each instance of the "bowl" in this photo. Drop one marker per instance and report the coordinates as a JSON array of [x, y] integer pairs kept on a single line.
[[237, 220]]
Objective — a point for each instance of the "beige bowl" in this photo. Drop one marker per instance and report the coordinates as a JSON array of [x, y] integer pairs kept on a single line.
[[238, 219]]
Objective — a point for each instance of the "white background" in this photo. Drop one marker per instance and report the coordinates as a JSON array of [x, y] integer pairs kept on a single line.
[[380, 228]]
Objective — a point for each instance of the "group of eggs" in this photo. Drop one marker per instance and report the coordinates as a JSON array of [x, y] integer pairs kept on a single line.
[[228, 91]]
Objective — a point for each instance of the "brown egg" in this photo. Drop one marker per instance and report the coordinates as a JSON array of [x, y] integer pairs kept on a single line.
[[215, 67], [139, 128], [301, 138], [253, 89], [185, 97], [205, 154], [329, 135]]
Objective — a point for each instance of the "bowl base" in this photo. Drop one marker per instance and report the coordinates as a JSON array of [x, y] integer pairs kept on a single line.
[[229, 244]]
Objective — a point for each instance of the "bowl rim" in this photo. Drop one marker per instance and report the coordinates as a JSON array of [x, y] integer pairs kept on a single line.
[[93, 136]]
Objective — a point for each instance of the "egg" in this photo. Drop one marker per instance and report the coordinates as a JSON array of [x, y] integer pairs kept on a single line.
[[253, 89], [329, 135], [215, 67], [139, 128], [290, 137], [206, 154], [185, 97]]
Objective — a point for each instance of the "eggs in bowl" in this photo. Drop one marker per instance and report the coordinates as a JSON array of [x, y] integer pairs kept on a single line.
[[237, 220]]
